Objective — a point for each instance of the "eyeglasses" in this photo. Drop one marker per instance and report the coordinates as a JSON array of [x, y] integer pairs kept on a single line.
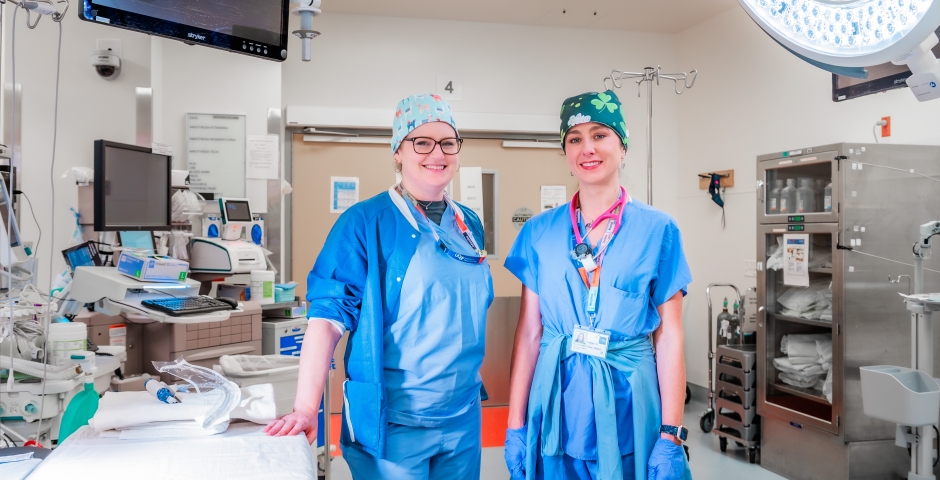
[[425, 145]]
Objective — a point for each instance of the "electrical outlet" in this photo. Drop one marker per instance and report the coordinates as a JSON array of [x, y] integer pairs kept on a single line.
[[886, 128], [109, 44], [750, 268]]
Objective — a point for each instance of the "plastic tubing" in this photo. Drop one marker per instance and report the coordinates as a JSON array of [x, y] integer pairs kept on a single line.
[[34, 369]]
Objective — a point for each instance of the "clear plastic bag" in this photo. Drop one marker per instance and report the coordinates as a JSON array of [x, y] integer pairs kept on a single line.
[[219, 394]]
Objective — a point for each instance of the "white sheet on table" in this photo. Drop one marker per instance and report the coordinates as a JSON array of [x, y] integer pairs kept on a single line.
[[184, 429], [18, 470], [241, 453]]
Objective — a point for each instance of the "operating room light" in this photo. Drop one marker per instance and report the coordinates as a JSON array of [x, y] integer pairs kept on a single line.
[[864, 30], [853, 33]]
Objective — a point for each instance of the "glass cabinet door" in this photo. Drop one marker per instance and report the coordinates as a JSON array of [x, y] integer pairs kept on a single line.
[[798, 189], [799, 347]]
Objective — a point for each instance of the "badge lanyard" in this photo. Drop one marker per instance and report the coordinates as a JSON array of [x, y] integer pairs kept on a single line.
[[461, 226], [590, 264]]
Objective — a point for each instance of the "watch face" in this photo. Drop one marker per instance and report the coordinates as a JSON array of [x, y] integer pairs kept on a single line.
[[582, 250], [683, 433]]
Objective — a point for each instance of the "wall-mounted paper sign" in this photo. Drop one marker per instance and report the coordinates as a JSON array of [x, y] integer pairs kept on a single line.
[[796, 260], [553, 196], [344, 193]]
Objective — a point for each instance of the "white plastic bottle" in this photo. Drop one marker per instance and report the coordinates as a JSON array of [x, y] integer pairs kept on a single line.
[[788, 198], [773, 201], [827, 198], [806, 199]]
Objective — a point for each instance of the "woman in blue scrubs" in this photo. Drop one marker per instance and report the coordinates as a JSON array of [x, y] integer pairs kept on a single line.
[[405, 274], [590, 398]]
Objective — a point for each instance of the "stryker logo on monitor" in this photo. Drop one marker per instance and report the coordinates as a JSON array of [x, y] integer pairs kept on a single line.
[[197, 36]]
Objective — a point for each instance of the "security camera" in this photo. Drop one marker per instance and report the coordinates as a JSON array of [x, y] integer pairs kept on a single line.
[[107, 64]]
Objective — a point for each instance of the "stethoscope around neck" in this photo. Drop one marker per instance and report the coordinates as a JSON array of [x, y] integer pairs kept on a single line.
[[614, 213]]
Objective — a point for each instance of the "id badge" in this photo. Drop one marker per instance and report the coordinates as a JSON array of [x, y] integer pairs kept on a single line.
[[587, 263], [589, 341]]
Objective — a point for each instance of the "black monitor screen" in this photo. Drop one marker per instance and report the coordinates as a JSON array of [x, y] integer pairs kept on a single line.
[[251, 27], [237, 211], [881, 78], [132, 188]]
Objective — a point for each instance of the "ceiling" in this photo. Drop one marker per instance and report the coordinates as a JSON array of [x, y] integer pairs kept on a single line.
[[660, 16]]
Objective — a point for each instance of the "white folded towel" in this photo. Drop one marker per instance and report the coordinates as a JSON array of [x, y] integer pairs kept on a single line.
[[794, 345], [118, 410]]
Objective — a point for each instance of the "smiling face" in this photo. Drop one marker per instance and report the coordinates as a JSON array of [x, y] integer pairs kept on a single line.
[[426, 175], [594, 153]]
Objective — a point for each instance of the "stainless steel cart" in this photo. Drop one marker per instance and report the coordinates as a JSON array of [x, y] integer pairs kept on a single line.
[[731, 413]]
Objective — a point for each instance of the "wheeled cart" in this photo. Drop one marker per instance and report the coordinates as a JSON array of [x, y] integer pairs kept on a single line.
[[732, 389]]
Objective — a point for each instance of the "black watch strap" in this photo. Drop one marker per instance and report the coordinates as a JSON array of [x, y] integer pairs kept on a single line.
[[679, 432]]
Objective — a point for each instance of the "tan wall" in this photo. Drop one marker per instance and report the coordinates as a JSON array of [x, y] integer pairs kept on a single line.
[[521, 173]]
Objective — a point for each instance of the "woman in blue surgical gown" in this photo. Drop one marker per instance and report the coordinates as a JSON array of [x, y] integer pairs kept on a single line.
[[405, 274], [589, 398]]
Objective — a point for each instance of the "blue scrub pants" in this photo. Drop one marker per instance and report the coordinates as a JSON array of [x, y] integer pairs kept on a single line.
[[582, 469], [451, 452]]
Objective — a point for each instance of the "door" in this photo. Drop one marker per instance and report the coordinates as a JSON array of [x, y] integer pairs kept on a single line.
[[512, 180], [784, 390], [798, 189]]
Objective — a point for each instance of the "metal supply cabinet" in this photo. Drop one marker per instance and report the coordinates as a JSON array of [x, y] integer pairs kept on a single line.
[[877, 203]]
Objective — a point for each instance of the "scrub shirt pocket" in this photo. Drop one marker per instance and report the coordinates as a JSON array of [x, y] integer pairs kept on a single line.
[[623, 311]]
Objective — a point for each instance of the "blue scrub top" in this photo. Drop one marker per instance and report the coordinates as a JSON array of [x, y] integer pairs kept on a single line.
[[434, 348], [643, 268]]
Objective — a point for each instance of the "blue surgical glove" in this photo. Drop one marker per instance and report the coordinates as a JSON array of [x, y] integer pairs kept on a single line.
[[667, 462], [515, 453]]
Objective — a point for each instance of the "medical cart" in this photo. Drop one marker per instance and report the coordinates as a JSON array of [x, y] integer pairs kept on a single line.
[[282, 333], [732, 388]]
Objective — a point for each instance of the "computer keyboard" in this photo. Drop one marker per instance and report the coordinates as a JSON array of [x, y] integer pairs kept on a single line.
[[186, 305]]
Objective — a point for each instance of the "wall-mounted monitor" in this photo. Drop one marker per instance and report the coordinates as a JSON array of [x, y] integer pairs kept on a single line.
[[881, 78], [252, 27]]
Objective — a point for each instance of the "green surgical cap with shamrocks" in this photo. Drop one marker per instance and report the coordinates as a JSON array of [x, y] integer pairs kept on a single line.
[[603, 108]]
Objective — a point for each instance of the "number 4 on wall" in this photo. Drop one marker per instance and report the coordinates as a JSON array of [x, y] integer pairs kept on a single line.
[[449, 87]]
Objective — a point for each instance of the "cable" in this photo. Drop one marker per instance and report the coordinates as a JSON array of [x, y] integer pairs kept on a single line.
[[33, 213], [55, 132], [893, 261], [873, 130], [909, 170]]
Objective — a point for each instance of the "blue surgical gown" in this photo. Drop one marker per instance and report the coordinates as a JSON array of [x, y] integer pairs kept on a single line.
[[434, 348], [643, 268]]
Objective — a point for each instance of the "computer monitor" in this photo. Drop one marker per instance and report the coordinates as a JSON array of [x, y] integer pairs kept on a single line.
[[235, 213], [132, 188], [139, 240], [258, 28]]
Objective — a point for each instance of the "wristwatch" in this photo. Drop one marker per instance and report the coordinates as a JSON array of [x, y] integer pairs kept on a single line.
[[679, 432]]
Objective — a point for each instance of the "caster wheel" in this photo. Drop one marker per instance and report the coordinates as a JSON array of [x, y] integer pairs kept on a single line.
[[723, 444], [688, 394], [707, 422], [752, 455]]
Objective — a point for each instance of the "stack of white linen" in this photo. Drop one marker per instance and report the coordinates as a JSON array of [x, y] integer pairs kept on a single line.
[[136, 415], [808, 360], [813, 302]]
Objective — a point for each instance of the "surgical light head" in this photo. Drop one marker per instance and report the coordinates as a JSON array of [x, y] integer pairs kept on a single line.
[[306, 10], [928, 230]]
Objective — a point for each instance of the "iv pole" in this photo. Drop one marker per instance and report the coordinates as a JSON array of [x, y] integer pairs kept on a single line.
[[650, 75]]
